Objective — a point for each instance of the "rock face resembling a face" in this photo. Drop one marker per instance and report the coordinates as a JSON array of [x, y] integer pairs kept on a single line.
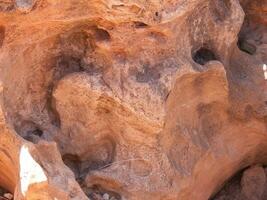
[[132, 100]]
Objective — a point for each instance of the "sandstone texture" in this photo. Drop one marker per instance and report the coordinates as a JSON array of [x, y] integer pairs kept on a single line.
[[133, 99]]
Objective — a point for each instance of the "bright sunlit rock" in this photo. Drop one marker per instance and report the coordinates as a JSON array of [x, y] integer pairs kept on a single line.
[[30, 170], [265, 71]]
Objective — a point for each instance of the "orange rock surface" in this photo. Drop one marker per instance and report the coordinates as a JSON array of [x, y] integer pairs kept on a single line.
[[132, 99]]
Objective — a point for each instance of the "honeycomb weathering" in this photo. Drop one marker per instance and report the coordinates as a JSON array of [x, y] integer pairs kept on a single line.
[[133, 100]]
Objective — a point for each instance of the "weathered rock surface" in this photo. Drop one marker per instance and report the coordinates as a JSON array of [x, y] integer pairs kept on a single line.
[[141, 99]]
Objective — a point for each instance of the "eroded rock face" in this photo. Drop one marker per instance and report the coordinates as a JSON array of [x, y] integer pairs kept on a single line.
[[114, 99]]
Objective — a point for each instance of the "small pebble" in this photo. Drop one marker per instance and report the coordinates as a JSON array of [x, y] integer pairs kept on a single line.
[[106, 196]]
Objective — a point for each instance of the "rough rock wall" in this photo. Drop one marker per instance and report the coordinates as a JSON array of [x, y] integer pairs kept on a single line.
[[140, 99]]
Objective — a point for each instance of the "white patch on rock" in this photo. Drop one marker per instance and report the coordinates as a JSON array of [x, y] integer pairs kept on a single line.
[[30, 171], [264, 67]]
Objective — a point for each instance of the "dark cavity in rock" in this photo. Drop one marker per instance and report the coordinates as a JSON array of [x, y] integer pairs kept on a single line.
[[246, 46], [203, 55], [101, 35], [138, 24]]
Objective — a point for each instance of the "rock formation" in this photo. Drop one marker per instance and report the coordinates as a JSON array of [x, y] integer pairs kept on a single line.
[[133, 99]]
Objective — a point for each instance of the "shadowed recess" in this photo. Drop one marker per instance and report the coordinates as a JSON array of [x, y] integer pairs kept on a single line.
[[203, 55], [246, 46]]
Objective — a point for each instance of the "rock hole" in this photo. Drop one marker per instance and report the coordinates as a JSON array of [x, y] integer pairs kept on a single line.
[[97, 192], [203, 55], [29, 131], [5, 194], [140, 25], [2, 35], [67, 65], [157, 16], [34, 135], [73, 162], [101, 35], [246, 46], [37, 132]]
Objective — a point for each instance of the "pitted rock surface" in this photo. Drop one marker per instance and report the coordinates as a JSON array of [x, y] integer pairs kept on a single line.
[[133, 100]]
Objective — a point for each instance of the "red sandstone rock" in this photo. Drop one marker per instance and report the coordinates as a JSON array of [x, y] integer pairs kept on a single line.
[[140, 99]]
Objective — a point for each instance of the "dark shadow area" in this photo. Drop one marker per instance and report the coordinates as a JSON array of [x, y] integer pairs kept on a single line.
[[203, 55], [138, 24], [231, 190], [29, 131], [246, 46], [5, 194], [101, 35], [73, 162], [34, 135]]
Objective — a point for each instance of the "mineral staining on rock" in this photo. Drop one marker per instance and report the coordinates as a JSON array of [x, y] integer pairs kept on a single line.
[[116, 100]]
